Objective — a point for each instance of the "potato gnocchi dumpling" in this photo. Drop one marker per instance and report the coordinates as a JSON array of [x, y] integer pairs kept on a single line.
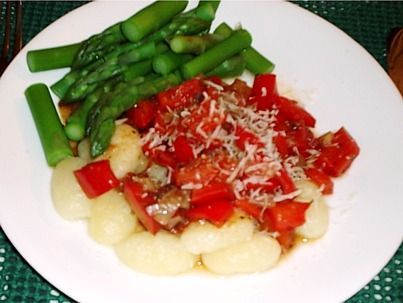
[[68, 198], [309, 191], [205, 237], [259, 253], [111, 219], [316, 220], [162, 254], [125, 152]]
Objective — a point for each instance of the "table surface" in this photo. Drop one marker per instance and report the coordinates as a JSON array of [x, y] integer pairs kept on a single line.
[[369, 23]]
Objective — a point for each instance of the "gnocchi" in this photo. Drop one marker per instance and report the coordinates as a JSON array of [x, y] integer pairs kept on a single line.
[[162, 254], [111, 219], [68, 199], [316, 220], [124, 153], [259, 253], [205, 237]]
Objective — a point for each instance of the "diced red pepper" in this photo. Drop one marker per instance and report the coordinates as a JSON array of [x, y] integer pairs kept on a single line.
[[181, 96], [249, 208], [183, 150], [320, 179], [286, 215], [264, 84], [282, 146], [139, 199], [212, 192], [217, 212], [142, 115], [244, 136], [197, 172], [286, 238], [294, 112], [336, 158], [286, 183], [96, 178]]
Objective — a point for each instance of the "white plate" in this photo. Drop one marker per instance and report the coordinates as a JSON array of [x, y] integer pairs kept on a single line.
[[343, 86]]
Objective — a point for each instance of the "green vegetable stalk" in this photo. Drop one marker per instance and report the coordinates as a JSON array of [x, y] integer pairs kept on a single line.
[[52, 58], [238, 41], [50, 130], [151, 18]]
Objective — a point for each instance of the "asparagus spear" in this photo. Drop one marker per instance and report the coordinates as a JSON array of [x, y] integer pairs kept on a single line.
[[255, 61], [232, 67], [195, 44], [238, 41], [97, 45], [151, 18], [76, 123], [169, 61], [111, 68], [137, 69], [103, 128], [206, 9], [53, 139], [52, 58]]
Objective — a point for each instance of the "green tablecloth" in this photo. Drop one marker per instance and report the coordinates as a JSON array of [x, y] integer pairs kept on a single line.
[[369, 23]]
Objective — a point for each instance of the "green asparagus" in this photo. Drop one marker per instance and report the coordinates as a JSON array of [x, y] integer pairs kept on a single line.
[[232, 67], [52, 58], [137, 69], [111, 68], [169, 61], [238, 41], [98, 45], [206, 9], [255, 61], [53, 139], [151, 18], [195, 44]]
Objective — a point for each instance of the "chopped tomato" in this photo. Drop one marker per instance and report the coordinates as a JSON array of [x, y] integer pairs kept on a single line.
[[217, 212], [212, 192], [320, 179], [299, 136], [286, 215], [183, 149], [181, 96], [264, 85], [201, 171], [286, 183], [249, 208], [142, 115], [286, 238], [139, 199], [334, 159], [96, 178], [241, 89], [244, 136], [281, 145], [292, 111]]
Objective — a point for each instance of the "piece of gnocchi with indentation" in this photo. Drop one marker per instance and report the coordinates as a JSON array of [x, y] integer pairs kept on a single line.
[[124, 152], [68, 198], [316, 220], [259, 253], [309, 191], [205, 237], [162, 254], [111, 218]]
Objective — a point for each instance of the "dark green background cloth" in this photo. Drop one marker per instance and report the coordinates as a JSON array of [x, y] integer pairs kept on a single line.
[[368, 22]]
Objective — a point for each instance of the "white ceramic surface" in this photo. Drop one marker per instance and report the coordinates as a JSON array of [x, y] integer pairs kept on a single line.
[[343, 85]]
